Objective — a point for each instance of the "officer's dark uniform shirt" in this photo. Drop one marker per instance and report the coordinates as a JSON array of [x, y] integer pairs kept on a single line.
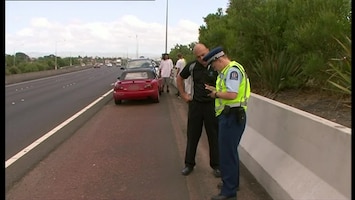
[[201, 76]]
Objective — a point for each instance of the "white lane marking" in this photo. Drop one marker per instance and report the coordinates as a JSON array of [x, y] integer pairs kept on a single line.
[[27, 149]]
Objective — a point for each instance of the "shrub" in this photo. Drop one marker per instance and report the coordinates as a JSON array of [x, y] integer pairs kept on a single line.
[[340, 69], [278, 71]]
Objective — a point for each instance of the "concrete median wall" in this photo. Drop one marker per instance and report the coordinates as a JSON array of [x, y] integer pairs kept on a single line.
[[294, 154], [16, 78]]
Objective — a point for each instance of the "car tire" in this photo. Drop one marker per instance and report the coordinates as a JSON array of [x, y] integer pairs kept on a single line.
[[118, 101]]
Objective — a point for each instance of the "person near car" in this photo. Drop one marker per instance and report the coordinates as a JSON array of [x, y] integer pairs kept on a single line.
[[231, 93], [180, 64], [165, 68], [200, 109]]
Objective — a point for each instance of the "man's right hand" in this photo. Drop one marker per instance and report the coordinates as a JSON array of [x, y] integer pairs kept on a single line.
[[186, 97]]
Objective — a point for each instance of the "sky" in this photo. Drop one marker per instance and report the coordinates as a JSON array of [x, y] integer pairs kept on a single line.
[[121, 28]]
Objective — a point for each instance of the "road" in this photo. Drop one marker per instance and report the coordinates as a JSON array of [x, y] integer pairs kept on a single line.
[[131, 151], [33, 108]]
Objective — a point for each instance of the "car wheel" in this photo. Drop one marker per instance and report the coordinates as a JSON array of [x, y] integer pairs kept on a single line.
[[117, 101]]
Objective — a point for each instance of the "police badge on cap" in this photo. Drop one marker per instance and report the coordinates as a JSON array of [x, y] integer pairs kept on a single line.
[[213, 55]]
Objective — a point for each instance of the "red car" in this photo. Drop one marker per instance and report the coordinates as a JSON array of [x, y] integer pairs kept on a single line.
[[135, 84]]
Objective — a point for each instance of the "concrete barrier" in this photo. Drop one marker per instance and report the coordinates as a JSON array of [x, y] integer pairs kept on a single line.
[[16, 78], [294, 154]]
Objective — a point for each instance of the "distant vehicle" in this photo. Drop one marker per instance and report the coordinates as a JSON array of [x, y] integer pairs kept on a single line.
[[141, 63], [109, 64], [118, 62], [136, 84], [98, 65]]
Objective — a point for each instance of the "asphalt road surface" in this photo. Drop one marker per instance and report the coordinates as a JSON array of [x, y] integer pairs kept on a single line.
[[33, 108], [132, 151]]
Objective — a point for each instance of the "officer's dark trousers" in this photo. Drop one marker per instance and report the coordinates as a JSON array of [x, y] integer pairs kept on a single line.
[[229, 134], [200, 114]]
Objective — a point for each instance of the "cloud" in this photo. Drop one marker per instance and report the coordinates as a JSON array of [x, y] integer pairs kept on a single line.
[[26, 32], [40, 22], [121, 36]]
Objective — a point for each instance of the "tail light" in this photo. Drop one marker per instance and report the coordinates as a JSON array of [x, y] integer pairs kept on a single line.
[[148, 86], [118, 86]]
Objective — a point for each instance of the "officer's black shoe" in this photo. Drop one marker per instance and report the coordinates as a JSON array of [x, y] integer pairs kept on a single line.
[[222, 197], [217, 173], [187, 170]]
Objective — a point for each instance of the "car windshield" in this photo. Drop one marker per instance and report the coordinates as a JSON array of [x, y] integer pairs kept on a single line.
[[139, 64], [138, 75]]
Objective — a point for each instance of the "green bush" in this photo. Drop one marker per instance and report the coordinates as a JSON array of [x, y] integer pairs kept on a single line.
[[340, 69], [14, 70], [278, 71]]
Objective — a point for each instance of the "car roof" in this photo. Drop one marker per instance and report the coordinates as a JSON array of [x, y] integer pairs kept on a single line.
[[150, 71], [135, 59], [138, 70]]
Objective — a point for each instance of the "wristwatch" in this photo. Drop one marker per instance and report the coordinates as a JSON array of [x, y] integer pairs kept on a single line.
[[215, 95]]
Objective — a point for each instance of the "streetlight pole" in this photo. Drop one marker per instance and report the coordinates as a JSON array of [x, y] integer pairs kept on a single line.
[[55, 56], [70, 60], [137, 46], [166, 28], [14, 58], [56, 59]]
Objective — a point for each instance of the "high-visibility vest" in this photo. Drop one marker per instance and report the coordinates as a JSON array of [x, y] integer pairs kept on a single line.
[[243, 93]]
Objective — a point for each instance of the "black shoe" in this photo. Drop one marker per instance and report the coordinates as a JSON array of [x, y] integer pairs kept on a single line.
[[220, 185], [222, 197], [167, 90], [216, 173], [187, 170]]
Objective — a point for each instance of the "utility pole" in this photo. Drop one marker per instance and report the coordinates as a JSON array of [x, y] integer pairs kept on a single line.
[[166, 28], [55, 56], [137, 45], [70, 60]]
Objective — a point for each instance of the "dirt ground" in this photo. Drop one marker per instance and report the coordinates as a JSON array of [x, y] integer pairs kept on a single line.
[[332, 107]]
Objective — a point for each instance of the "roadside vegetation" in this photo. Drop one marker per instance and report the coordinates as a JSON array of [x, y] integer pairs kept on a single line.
[[283, 45]]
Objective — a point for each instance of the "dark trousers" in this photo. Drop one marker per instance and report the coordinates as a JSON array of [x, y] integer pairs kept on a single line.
[[229, 135], [200, 114]]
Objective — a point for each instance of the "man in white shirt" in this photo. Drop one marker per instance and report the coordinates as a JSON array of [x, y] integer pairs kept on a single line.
[[180, 64], [165, 68]]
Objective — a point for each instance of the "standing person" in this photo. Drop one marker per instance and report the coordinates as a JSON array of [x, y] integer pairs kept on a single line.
[[180, 64], [201, 109], [231, 94], [165, 68]]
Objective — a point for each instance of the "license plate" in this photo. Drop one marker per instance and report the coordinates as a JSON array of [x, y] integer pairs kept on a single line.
[[133, 87]]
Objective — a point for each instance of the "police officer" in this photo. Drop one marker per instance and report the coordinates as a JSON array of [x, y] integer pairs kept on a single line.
[[201, 109], [231, 95]]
